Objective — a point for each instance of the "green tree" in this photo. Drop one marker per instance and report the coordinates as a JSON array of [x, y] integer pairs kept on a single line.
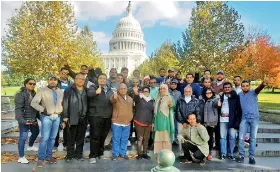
[[215, 31], [42, 37], [164, 57]]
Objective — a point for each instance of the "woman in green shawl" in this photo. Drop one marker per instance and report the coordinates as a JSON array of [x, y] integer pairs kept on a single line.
[[163, 120]]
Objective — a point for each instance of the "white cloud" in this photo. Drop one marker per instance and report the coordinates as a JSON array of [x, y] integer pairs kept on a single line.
[[102, 40], [7, 10]]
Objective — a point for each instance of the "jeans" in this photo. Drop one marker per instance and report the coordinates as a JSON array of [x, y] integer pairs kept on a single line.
[[49, 130], [23, 134], [224, 131], [99, 129], [254, 124], [120, 139]]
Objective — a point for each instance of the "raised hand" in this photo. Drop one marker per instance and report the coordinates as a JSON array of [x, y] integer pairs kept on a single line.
[[135, 90], [115, 95], [98, 91], [219, 103], [169, 101]]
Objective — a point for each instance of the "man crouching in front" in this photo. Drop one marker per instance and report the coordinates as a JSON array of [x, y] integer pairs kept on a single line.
[[194, 138]]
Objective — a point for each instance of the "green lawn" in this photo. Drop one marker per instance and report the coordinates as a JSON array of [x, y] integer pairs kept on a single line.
[[9, 91]]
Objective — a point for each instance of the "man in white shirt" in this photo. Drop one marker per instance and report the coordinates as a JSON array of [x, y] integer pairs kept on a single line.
[[237, 83]]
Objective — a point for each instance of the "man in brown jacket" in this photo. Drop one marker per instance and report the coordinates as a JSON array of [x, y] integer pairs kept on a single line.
[[122, 116]]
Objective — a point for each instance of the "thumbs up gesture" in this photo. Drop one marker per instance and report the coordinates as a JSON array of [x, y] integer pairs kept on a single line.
[[115, 95], [135, 90], [98, 91], [169, 101]]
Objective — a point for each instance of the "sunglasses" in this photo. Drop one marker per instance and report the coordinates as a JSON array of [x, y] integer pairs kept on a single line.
[[32, 83], [65, 73]]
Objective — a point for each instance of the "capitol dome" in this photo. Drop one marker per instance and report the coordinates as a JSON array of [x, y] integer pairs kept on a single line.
[[128, 35], [127, 48]]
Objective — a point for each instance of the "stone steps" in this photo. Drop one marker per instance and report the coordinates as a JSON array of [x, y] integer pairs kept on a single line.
[[268, 138]]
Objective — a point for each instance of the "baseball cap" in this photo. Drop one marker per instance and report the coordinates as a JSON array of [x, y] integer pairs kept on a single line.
[[174, 81], [50, 76], [171, 70], [220, 72]]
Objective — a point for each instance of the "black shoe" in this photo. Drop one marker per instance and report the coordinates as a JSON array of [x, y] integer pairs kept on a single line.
[[202, 162], [80, 159], [125, 157], [139, 156], [240, 159], [223, 157], [232, 158], [145, 156], [252, 161], [181, 158]]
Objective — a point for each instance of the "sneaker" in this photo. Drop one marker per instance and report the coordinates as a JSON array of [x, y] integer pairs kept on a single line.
[[23, 160], [139, 156], [54, 149], [209, 157], [68, 160], [128, 144], [125, 157], [202, 162], [114, 158], [102, 157], [80, 159], [51, 161], [92, 160], [252, 161], [240, 159], [32, 148], [145, 156], [40, 164], [223, 157], [231, 158]]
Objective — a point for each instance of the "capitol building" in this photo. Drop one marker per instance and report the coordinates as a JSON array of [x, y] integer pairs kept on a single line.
[[127, 46]]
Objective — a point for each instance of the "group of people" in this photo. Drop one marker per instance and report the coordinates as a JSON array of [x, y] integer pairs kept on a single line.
[[166, 110]]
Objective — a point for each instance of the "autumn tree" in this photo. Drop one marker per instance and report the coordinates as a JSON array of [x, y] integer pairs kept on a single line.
[[164, 57], [214, 31], [258, 59], [42, 36]]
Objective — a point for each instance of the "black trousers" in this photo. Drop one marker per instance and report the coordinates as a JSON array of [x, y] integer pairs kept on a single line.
[[76, 135], [56, 144], [187, 147], [99, 129], [210, 131], [217, 136]]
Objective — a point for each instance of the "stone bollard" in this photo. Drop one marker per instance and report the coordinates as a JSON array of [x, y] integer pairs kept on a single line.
[[5, 103], [165, 159]]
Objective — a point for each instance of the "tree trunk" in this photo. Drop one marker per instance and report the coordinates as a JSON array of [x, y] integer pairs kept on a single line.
[[273, 89]]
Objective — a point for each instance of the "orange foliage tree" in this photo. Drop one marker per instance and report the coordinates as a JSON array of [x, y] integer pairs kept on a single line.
[[257, 60]]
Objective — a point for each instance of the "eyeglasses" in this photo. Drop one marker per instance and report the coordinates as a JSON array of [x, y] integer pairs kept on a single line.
[[146, 91], [32, 83]]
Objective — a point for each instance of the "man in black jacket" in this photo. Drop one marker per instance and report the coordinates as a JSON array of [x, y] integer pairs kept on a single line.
[[100, 111], [229, 120], [27, 118], [74, 117]]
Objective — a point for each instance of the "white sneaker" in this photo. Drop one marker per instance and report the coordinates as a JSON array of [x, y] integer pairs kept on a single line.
[[128, 143], [33, 148], [92, 160], [23, 160]]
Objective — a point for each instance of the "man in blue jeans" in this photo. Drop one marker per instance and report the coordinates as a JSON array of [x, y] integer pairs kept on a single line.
[[250, 117], [27, 118], [122, 116], [48, 101]]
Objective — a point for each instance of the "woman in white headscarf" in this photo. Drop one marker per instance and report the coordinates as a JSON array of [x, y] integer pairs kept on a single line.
[[163, 120]]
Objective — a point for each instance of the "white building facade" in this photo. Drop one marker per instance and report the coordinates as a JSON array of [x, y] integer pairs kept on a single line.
[[127, 46]]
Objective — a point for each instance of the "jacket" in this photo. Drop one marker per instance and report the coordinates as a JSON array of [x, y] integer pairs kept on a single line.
[[197, 136], [183, 109], [99, 105], [23, 109], [210, 112], [144, 111], [195, 88], [71, 104], [235, 112], [122, 110], [176, 94], [43, 100]]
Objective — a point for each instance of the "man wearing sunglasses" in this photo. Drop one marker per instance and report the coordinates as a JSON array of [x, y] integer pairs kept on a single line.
[[27, 118], [63, 82]]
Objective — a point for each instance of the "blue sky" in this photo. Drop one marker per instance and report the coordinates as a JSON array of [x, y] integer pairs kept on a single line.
[[160, 20]]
